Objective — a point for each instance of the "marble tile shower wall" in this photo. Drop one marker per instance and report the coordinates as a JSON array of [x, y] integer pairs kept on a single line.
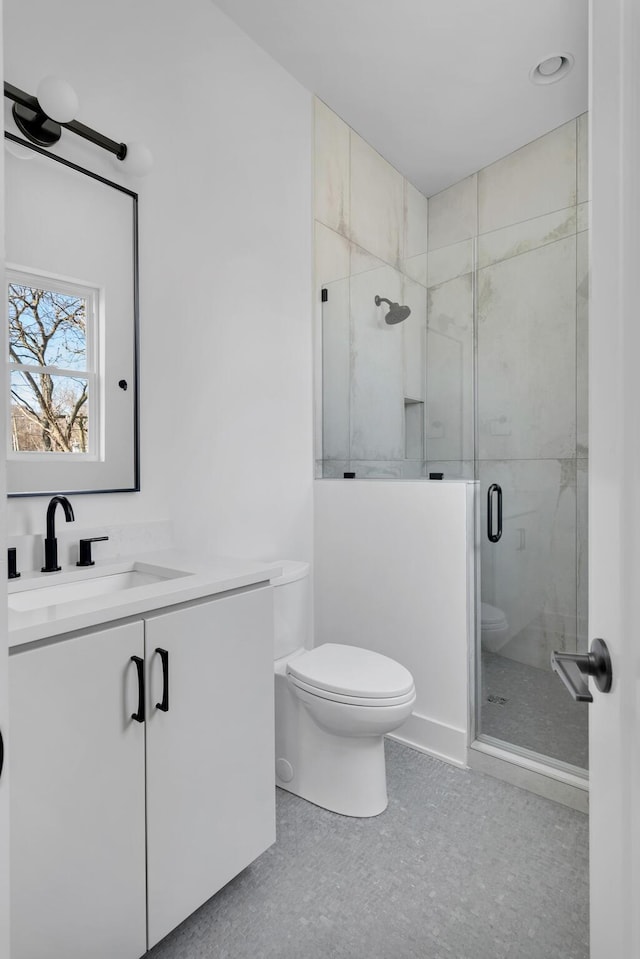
[[523, 221], [370, 238]]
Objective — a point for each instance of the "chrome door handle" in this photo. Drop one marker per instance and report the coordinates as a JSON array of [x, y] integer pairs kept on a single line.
[[574, 670]]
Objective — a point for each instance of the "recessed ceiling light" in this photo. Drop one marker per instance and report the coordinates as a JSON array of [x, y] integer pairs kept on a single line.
[[552, 68]]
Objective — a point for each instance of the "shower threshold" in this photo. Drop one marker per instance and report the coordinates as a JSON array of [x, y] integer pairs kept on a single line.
[[553, 779]]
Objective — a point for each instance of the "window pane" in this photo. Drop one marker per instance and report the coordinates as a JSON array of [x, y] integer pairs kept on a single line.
[[49, 414], [47, 328]]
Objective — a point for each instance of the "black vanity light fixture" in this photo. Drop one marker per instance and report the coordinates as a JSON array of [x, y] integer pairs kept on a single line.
[[41, 119]]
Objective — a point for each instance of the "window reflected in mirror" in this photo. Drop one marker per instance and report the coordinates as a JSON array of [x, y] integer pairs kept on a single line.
[[52, 365]]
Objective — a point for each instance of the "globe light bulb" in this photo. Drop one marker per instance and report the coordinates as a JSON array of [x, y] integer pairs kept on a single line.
[[57, 99], [138, 161]]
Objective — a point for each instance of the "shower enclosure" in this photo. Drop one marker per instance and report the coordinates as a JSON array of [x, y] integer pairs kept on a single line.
[[531, 453], [486, 379]]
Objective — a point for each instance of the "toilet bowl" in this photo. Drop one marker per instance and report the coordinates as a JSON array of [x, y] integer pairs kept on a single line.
[[494, 628], [333, 706]]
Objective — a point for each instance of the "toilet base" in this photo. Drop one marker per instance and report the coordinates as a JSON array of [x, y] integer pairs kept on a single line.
[[494, 629], [492, 640], [344, 774]]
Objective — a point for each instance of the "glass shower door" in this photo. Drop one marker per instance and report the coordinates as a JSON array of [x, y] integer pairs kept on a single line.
[[529, 413]]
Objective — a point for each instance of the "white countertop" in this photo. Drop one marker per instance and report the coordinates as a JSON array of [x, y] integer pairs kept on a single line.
[[203, 577]]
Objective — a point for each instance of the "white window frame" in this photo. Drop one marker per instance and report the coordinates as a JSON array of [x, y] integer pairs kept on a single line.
[[93, 297]]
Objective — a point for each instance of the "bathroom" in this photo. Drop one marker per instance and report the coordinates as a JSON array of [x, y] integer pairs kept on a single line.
[[228, 203]]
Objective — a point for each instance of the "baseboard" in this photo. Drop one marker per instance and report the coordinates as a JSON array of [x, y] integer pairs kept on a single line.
[[434, 738]]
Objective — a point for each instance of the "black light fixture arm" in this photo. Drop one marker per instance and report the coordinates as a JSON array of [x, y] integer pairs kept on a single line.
[[29, 110], [118, 149], [19, 96]]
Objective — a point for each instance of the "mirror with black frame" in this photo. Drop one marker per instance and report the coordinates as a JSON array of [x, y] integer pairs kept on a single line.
[[72, 304]]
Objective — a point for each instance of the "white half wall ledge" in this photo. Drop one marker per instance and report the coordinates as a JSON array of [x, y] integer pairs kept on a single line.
[[435, 739]]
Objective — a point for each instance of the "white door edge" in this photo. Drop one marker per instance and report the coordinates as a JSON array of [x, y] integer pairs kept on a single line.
[[614, 475]]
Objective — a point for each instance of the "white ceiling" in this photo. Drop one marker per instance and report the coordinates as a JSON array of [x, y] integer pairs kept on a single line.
[[439, 87]]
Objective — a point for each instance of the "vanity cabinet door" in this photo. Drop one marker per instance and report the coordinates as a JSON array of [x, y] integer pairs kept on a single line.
[[210, 757], [77, 799]]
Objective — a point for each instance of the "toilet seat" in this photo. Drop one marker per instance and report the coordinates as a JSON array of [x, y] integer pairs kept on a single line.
[[352, 675], [494, 628], [352, 700], [491, 617]]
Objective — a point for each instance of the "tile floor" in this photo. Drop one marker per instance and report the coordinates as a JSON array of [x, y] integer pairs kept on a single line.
[[460, 866]]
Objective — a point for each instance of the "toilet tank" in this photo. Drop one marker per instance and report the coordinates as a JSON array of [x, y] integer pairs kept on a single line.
[[291, 607]]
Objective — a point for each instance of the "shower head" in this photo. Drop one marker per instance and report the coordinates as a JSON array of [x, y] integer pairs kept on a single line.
[[396, 312]]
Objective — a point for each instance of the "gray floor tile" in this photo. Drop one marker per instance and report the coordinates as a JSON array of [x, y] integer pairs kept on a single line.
[[460, 866]]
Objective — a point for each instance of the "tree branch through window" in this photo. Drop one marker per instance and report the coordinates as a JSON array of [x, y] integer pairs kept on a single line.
[[49, 386]]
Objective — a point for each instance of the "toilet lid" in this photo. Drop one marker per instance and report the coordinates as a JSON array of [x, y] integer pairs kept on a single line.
[[351, 671], [491, 615]]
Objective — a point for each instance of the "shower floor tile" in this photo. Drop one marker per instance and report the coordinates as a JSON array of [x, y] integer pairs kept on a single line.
[[530, 707]]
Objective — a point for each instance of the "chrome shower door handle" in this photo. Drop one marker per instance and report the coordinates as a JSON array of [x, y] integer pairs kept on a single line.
[[574, 670], [494, 491]]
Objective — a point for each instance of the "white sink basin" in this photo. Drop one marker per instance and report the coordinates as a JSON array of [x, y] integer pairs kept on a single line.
[[43, 593]]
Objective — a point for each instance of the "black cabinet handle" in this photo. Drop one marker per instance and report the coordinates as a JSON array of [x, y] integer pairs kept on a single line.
[[1, 753], [494, 489], [164, 656], [139, 714], [575, 668]]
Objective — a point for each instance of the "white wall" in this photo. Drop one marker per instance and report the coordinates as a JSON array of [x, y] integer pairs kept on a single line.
[[225, 260], [394, 573]]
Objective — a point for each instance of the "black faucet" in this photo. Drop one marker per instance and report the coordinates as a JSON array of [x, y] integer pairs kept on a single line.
[[51, 543]]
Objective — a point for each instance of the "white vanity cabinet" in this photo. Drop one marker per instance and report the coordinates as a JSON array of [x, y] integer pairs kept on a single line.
[[120, 829], [77, 799], [210, 757]]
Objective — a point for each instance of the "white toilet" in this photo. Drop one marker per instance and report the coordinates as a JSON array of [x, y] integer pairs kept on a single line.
[[494, 628], [333, 706]]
